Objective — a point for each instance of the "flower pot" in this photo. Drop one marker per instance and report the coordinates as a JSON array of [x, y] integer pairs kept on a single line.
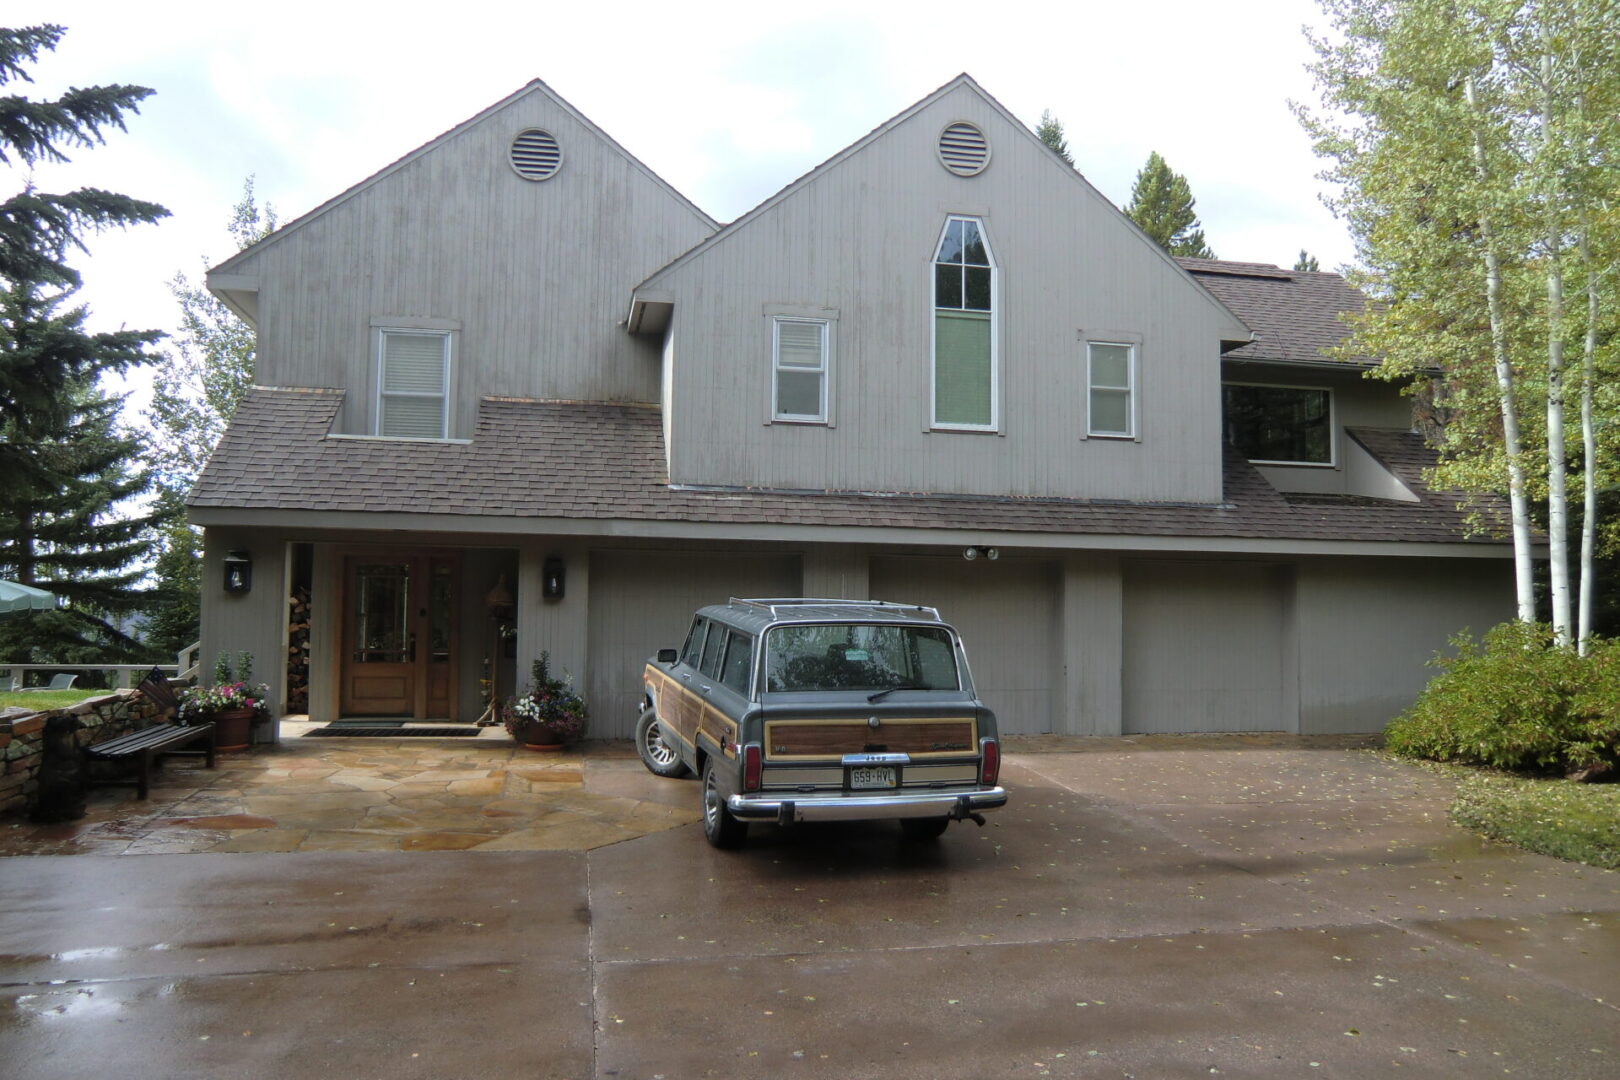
[[232, 729], [540, 737]]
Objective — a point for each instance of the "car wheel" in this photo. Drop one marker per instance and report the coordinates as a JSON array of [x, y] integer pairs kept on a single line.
[[659, 756], [719, 827], [924, 828]]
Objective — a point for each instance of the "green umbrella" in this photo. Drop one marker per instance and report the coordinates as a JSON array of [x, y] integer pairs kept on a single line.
[[15, 596]]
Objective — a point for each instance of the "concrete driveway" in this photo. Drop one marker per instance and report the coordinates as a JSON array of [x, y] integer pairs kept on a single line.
[[1152, 908]]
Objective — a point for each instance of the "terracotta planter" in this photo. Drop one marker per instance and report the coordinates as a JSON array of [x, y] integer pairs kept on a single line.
[[538, 737], [232, 729]]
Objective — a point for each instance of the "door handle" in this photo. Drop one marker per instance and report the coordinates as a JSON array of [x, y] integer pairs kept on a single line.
[[705, 689]]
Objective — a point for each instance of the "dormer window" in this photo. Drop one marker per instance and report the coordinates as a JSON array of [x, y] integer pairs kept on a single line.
[[1279, 425], [413, 384], [964, 373]]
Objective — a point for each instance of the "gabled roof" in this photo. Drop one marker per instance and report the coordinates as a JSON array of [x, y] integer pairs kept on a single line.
[[963, 80], [1294, 313], [601, 463], [534, 86]]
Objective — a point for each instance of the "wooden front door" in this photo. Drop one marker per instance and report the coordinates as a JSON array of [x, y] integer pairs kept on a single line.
[[399, 636]]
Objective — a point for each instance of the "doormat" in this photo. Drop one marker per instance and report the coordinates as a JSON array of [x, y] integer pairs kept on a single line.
[[390, 731]]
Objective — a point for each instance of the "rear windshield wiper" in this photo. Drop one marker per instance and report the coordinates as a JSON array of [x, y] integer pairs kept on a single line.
[[901, 686]]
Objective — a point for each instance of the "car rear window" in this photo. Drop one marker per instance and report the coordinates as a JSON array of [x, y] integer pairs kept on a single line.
[[860, 657]]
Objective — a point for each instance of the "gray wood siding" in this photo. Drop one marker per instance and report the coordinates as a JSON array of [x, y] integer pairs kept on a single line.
[[1007, 613], [1207, 647], [856, 241], [643, 600], [1368, 627], [537, 275]]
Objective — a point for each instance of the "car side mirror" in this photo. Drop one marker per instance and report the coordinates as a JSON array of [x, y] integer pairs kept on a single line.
[[667, 656]]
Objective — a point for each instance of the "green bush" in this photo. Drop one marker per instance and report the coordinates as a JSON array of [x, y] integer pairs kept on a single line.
[[1554, 817], [1515, 701]]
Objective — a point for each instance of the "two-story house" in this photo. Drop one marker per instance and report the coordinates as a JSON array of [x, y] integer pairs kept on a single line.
[[940, 368]]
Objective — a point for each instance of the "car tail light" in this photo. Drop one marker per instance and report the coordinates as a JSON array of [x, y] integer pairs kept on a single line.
[[989, 762], [751, 767]]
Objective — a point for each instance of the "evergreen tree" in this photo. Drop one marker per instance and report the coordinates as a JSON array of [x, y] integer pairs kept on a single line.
[[1306, 262], [194, 395], [1050, 132], [1163, 206], [40, 357], [63, 462], [66, 529]]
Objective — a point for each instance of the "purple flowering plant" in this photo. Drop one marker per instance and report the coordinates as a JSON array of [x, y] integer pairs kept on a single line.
[[548, 702]]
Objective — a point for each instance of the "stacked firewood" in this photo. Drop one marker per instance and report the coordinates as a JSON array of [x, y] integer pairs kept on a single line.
[[298, 650]]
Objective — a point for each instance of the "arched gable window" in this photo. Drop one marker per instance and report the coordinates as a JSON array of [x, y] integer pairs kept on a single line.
[[964, 372]]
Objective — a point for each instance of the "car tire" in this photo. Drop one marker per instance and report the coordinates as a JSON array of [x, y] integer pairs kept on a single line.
[[924, 828], [719, 827], [659, 756]]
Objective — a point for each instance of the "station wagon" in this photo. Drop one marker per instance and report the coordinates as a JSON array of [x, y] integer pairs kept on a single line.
[[792, 710]]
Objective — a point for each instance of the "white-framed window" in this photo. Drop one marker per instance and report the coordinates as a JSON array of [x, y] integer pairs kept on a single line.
[[801, 351], [1280, 425], [965, 386], [1111, 389], [413, 383]]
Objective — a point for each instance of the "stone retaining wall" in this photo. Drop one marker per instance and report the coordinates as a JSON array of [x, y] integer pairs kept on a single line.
[[22, 739]]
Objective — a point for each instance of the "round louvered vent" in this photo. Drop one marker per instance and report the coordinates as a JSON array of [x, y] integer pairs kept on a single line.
[[536, 155], [963, 149]]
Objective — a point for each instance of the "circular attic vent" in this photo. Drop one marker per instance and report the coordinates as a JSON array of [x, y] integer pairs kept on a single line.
[[536, 155], [963, 149]]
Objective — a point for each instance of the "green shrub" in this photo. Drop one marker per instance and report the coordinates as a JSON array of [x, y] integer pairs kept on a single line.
[[1554, 817], [1514, 701]]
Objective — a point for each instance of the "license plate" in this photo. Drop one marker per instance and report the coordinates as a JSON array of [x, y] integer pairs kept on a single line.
[[866, 777]]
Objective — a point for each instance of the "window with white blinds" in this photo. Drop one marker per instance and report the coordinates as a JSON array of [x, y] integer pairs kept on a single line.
[[413, 384], [1111, 375], [799, 359]]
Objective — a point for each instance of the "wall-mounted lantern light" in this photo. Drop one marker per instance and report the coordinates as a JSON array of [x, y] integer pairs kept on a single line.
[[238, 571], [976, 552], [553, 579]]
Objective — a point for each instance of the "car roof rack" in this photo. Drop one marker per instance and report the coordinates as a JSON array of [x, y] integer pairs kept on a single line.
[[789, 605]]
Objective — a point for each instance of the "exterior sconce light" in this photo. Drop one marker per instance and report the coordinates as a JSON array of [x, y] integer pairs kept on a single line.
[[553, 579], [238, 571], [975, 552]]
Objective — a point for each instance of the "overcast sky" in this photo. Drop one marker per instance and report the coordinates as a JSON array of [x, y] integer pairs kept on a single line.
[[727, 102]]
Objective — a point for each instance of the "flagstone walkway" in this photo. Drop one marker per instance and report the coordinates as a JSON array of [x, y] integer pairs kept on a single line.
[[376, 794]]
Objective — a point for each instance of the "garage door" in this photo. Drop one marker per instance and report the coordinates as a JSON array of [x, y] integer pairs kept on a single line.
[[1007, 614], [1205, 647], [642, 601]]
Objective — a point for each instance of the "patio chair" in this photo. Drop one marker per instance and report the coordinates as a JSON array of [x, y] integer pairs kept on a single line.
[[63, 681]]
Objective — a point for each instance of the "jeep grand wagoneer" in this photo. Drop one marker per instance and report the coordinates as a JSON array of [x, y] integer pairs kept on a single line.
[[820, 710]]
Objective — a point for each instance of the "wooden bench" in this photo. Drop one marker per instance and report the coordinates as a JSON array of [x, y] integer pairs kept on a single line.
[[147, 747]]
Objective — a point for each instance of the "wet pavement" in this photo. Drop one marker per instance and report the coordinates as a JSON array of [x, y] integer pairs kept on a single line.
[[1239, 906]]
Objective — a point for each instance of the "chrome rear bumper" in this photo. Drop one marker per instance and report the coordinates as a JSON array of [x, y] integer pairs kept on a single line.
[[841, 806]]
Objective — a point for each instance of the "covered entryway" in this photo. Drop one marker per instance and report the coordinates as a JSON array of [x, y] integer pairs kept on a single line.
[[399, 635], [1207, 647], [642, 601], [1006, 611]]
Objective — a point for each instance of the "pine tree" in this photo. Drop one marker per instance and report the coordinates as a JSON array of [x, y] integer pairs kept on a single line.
[[1162, 205], [1306, 262], [1050, 132], [64, 465], [65, 529], [37, 230]]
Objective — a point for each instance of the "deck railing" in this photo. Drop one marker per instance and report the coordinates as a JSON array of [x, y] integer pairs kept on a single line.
[[184, 669]]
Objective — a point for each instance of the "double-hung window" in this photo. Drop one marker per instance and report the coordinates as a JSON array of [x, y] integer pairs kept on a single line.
[[1111, 389], [1279, 425], [800, 349], [964, 376], [413, 384]]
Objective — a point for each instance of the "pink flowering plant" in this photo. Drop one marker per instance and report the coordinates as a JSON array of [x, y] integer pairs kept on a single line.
[[549, 703], [232, 690]]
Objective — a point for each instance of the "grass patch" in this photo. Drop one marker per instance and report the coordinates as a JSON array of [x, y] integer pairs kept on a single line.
[[1556, 817], [40, 700]]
